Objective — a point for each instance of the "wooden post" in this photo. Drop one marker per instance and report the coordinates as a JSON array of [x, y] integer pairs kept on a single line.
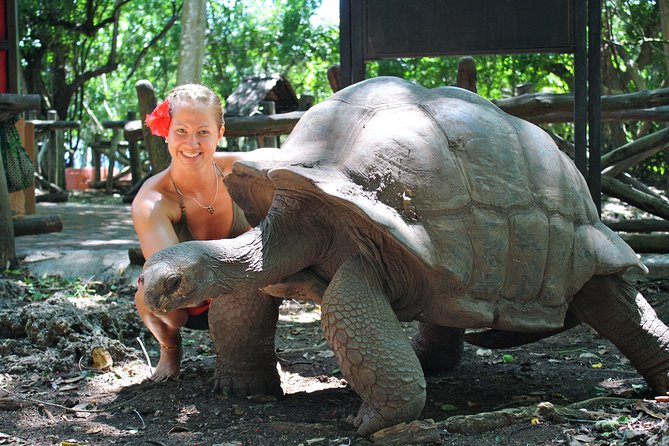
[[467, 73], [13, 104], [7, 246], [268, 109], [334, 77], [60, 157], [133, 151], [524, 89], [51, 168], [111, 156], [155, 146], [96, 159]]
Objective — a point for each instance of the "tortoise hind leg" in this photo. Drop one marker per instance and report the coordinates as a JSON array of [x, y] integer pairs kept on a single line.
[[438, 348], [371, 348], [616, 310], [493, 338]]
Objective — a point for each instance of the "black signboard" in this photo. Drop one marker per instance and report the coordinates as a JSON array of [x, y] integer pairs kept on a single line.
[[401, 28]]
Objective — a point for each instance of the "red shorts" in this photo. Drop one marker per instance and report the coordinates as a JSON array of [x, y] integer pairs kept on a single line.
[[194, 311]]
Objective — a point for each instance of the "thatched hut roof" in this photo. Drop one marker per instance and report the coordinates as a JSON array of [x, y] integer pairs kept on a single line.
[[246, 99]]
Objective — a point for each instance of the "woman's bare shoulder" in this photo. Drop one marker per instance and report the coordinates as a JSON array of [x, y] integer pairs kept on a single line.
[[153, 197], [224, 160]]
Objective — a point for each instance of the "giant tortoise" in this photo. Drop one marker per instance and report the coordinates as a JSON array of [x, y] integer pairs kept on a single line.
[[409, 203]]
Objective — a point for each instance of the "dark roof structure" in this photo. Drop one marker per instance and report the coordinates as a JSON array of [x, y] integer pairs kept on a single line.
[[246, 99]]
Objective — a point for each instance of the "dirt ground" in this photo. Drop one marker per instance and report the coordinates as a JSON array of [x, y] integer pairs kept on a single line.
[[73, 372]]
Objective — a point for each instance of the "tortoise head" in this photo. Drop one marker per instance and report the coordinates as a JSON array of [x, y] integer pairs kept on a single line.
[[177, 277]]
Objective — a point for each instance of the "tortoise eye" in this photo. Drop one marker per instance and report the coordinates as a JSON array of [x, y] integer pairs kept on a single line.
[[172, 283]]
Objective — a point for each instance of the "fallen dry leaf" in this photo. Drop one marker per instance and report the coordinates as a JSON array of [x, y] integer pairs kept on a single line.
[[101, 358], [640, 405]]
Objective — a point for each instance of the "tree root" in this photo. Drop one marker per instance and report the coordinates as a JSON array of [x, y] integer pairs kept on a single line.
[[427, 431], [486, 421]]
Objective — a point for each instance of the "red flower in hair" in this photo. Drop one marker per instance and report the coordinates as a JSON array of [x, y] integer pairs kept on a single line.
[[159, 119]]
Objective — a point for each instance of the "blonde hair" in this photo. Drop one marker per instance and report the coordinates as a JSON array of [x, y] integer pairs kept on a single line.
[[187, 94]]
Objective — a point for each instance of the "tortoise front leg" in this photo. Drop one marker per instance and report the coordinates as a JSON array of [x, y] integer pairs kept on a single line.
[[242, 328], [371, 348]]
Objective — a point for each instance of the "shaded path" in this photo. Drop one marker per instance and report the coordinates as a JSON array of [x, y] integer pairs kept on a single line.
[[85, 226], [93, 244]]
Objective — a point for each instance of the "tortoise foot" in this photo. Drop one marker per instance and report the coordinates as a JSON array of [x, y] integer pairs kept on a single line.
[[370, 420], [246, 383], [658, 382]]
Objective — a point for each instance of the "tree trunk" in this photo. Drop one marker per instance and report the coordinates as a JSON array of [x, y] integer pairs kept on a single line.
[[191, 48]]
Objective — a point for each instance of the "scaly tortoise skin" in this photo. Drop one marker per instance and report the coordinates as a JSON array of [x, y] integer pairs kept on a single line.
[[403, 203]]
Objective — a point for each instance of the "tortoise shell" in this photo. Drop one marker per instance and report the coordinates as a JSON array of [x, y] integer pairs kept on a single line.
[[484, 200]]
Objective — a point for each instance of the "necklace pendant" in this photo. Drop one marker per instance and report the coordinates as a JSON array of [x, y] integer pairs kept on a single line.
[[210, 209]]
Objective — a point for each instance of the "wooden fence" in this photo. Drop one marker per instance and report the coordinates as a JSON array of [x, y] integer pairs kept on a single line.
[[540, 108]]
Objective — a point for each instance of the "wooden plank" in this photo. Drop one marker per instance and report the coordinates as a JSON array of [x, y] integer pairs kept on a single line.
[[52, 124], [250, 126], [17, 103], [267, 125]]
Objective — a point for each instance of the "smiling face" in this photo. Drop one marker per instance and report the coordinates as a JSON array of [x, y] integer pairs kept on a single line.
[[194, 133]]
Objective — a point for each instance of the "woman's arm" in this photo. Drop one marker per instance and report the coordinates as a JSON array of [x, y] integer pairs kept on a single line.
[[151, 218]]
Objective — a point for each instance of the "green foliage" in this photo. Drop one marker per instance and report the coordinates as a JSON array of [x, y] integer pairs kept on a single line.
[[62, 39], [45, 286], [498, 76], [265, 37], [66, 48], [41, 288]]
